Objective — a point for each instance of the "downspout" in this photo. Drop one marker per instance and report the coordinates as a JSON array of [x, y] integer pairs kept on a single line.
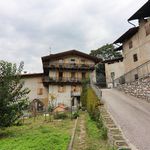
[[131, 23]]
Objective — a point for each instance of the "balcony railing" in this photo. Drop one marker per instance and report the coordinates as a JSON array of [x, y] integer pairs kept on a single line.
[[69, 66], [62, 80], [137, 73]]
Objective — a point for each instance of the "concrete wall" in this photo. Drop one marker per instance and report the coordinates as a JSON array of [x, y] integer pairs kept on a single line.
[[117, 68], [35, 84], [141, 47]]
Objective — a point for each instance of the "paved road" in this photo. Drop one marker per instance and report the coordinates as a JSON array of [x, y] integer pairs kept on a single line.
[[132, 115]]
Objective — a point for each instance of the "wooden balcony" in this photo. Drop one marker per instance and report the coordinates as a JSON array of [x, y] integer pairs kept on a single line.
[[69, 66], [56, 81]]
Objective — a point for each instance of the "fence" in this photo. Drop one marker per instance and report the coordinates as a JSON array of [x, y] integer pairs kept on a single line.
[[137, 73]]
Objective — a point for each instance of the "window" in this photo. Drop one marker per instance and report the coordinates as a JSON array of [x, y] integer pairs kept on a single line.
[[40, 91], [136, 76], [72, 60], [74, 88], [130, 44], [73, 75], [83, 75], [61, 89], [72, 102], [135, 57], [112, 75], [147, 29], [60, 75]]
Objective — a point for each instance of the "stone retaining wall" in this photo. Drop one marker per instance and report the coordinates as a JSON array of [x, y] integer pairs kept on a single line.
[[115, 135], [139, 88]]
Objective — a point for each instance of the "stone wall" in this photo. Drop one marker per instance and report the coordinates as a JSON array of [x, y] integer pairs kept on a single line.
[[139, 88]]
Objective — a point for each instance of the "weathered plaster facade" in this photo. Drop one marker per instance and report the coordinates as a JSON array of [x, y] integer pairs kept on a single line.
[[62, 78], [140, 46], [37, 90], [136, 52], [116, 68]]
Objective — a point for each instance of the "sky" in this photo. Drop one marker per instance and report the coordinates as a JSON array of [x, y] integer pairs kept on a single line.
[[30, 29]]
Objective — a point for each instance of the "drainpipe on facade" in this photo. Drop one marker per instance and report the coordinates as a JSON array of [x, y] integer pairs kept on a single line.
[[131, 23]]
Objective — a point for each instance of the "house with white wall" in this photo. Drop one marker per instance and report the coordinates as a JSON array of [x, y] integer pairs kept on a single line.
[[62, 78]]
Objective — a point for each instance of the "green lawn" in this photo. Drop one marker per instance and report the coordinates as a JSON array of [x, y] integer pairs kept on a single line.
[[38, 135]]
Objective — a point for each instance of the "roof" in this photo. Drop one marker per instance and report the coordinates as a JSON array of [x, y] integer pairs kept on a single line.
[[118, 48], [143, 12], [127, 35], [111, 61], [70, 52], [30, 75]]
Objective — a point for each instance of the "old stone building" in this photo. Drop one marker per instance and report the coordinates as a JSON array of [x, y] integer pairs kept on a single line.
[[62, 78], [135, 45]]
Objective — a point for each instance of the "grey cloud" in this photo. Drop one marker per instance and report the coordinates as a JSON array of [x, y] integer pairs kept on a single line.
[[29, 27]]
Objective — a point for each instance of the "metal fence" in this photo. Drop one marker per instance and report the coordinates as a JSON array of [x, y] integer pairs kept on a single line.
[[137, 73]]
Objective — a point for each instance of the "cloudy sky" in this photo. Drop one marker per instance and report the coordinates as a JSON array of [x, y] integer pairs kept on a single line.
[[30, 28]]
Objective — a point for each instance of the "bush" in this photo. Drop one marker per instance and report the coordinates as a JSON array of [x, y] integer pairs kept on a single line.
[[60, 115], [103, 133], [75, 115], [100, 123]]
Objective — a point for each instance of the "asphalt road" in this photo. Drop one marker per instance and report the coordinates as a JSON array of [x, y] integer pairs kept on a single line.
[[132, 115]]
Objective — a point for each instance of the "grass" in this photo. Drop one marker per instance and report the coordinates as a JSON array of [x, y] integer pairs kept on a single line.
[[38, 135], [94, 140]]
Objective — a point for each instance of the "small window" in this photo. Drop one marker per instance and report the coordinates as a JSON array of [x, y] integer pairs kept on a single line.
[[74, 89], [40, 91], [147, 29], [130, 44], [72, 102], [72, 60], [83, 75], [135, 57], [112, 75], [61, 89], [136, 76], [73, 75]]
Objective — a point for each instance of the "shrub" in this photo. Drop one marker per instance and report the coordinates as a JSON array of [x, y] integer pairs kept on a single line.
[[60, 115], [103, 133], [75, 115], [100, 123]]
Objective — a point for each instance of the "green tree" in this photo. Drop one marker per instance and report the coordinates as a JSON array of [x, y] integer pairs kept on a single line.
[[106, 52], [13, 97]]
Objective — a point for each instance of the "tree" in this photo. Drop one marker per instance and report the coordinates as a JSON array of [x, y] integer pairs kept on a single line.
[[106, 52], [13, 97]]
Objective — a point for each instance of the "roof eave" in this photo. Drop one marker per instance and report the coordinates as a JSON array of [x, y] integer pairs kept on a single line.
[[143, 12]]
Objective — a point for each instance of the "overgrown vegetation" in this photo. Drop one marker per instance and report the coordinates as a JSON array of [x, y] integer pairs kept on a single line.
[[13, 97], [105, 52], [92, 106], [95, 140], [37, 135], [84, 93]]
